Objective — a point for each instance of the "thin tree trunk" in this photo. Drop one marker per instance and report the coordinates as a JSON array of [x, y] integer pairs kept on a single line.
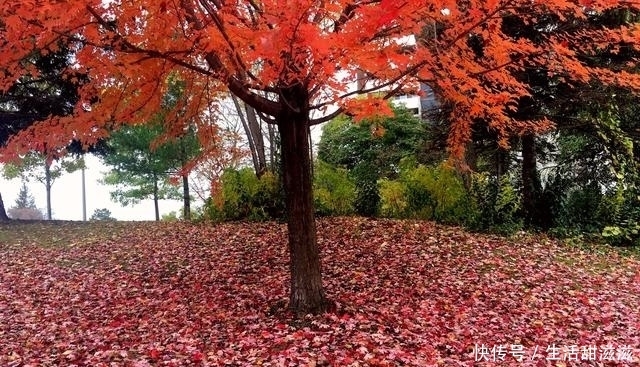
[[272, 147], [47, 183], [186, 197], [155, 197], [258, 140], [3, 212], [306, 292], [311, 154], [252, 130], [247, 132]]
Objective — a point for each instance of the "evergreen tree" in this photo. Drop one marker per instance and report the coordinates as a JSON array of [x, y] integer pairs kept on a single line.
[[25, 206], [141, 171], [102, 214], [25, 199]]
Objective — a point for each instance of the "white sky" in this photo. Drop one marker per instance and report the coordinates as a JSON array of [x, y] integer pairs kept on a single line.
[[66, 196]]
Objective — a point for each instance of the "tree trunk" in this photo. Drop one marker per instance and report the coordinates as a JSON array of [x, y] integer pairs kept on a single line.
[[272, 147], [3, 212], [258, 140], [186, 198], [155, 197], [253, 132], [306, 292], [47, 183], [247, 132], [531, 186]]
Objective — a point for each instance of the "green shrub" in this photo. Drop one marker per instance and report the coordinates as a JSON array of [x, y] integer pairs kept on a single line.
[[209, 211], [418, 182], [245, 196], [433, 193], [441, 188], [268, 200], [497, 204], [367, 200], [623, 226], [582, 209], [333, 191], [172, 216], [588, 210], [393, 199]]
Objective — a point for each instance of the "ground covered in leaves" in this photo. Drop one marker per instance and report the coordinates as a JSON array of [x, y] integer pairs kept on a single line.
[[406, 294]]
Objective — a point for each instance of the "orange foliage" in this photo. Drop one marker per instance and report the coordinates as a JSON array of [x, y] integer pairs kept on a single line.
[[257, 49]]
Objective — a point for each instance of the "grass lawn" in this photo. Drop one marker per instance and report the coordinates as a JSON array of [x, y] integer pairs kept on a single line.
[[406, 294]]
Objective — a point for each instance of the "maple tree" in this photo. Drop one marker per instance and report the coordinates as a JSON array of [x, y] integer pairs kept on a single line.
[[293, 62]]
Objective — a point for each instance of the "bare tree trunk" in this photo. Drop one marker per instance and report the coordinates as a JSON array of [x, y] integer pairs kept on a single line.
[[501, 162], [48, 183], [258, 140], [186, 198], [272, 147], [155, 197], [252, 130], [306, 292], [311, 154], [3, 212], [247, 132]]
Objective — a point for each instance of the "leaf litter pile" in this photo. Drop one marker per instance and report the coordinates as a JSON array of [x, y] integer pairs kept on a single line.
[[405, 294]]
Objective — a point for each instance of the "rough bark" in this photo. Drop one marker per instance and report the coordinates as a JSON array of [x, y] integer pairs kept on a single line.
[[186, 198], [3, 212], [306, 292]]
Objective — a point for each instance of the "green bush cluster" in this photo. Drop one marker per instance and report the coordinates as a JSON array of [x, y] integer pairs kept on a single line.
[[244, 196], [435, 193], [497, 204], [334, 192], [367, 200], [610, 212], [480, 202], [427, 192], [623, 225]]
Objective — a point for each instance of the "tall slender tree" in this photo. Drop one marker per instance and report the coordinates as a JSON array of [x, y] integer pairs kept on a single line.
[[142, 166], [38, 167]]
